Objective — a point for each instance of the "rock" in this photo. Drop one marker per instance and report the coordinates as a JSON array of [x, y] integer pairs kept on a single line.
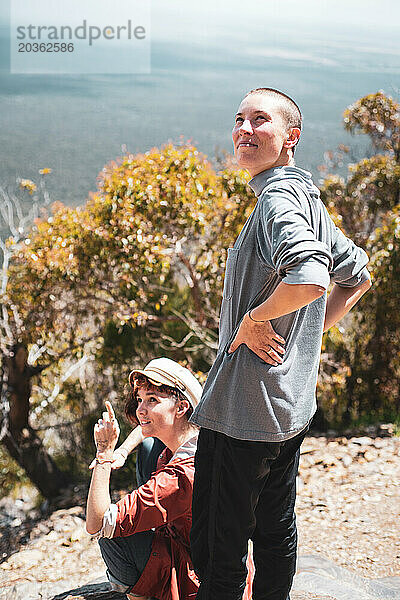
[[77, 534], [74, 511], [347, 460], [378, 443], [32, 590], [386, 429], [24, 591], [371, 429], [369, 455], [94, 591], [361, 441], [25, 558]]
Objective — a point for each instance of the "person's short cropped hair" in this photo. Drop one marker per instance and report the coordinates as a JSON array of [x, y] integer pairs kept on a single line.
[[142, 382], [289, 110]]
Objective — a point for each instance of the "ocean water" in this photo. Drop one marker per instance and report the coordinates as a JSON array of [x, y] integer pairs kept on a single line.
[[76, 124]]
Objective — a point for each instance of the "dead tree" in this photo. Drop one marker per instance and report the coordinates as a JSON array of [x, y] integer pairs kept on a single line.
[[16, 434]]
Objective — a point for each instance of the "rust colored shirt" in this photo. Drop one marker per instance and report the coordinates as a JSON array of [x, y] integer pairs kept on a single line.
[[164, 503]]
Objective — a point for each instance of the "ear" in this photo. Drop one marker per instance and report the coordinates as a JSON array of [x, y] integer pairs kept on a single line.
[[292, 138], [181, 408]]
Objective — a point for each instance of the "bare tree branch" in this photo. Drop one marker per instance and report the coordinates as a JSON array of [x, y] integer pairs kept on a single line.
[[57, 388], [206, 335], [193, 284], [58, 425]]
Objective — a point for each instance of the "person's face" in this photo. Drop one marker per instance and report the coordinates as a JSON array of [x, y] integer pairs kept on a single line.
[[259, 134], [156, 412]]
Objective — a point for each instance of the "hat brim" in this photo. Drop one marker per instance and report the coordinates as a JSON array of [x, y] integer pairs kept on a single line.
[[152, 376], [160, 379]]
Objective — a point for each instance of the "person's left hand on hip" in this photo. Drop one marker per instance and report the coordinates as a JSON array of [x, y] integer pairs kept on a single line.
[[261, 338]]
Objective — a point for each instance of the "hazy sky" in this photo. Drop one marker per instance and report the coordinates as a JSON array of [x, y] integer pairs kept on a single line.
[[213, 18], [205, 55], [217, 20]]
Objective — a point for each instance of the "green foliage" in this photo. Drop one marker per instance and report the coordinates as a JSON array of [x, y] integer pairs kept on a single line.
[[11, 474], [136, 272], [118, 343], [379, 372], [360, 377], [158, 222], [378, 116], [371, 189], [333, 373]]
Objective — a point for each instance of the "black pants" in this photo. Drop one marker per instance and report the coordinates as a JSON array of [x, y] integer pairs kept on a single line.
[[250, 494]]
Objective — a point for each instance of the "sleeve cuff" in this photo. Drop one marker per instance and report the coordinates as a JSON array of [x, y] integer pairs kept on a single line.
[[356, 280], [309, 272], [109, 523]]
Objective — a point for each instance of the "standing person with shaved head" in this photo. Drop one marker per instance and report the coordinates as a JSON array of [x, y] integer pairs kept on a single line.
[[259, 397]]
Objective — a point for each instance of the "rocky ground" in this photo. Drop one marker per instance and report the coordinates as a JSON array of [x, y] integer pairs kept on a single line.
[[348, 504], [348, 511]]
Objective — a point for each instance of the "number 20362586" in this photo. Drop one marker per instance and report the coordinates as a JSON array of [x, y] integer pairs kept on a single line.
[[45, 47]]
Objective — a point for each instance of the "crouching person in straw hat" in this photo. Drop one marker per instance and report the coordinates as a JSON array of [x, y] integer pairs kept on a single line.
[[144, 538]]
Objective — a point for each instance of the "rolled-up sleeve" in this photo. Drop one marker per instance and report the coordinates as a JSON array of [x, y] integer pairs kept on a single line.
[[287, 241], [109, 521], [349, 262]]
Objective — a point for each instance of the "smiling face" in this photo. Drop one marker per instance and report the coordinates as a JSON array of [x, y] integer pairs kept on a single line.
[[162, 411], [261, 139], [156, 412]]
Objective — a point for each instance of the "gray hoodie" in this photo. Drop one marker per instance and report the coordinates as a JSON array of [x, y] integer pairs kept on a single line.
[[288, 237]]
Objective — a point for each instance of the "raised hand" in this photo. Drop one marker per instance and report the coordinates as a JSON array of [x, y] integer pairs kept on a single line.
[[106, 431]]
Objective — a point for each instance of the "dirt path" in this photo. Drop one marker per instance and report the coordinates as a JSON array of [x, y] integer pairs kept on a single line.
[[348, 510], [348, 503]]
